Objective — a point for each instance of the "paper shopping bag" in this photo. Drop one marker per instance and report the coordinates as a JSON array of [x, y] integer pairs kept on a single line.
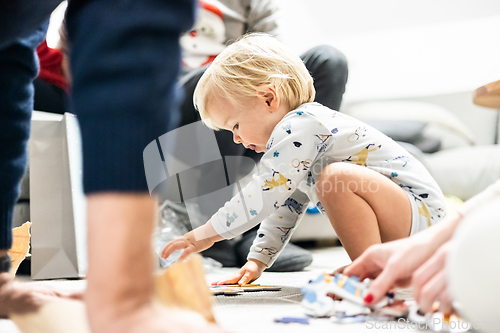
[[58, 211]]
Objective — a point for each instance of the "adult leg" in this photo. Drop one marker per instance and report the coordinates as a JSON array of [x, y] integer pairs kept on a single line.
[[23, 25], [328, 67], [50, 98], [18, 68], [125, 60], [363, 206]]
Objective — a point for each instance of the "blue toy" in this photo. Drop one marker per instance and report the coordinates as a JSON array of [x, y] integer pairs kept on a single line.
[[287, 320], [350, 289]]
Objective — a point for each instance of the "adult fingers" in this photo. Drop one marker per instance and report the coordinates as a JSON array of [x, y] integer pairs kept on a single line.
[[382, 284], [431, 290], [340, 270], [370, 263], [77, 295], [361, 265], [427, 271], [445, 302], [29, 301], [62, 293]]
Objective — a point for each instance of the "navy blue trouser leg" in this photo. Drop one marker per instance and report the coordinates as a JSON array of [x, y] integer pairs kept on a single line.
[[23, 25], [125, 60]]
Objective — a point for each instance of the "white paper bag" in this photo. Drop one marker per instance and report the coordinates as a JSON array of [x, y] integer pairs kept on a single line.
[[58, 210]]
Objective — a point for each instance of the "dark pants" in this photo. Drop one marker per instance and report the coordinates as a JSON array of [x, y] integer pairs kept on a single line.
[[23, 25], [50, 98], [125, 61]]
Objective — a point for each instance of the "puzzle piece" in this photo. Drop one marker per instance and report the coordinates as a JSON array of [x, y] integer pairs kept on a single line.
[[317, 303], [395, 309], [20, 245], [287, 320], [183, 285], [254, 287], [226, 291], [415, 315], [233, 289], [438, 321], [349, 309], [348, 319]]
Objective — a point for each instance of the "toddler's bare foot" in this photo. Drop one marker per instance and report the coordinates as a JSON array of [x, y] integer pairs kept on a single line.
[[20, 297]]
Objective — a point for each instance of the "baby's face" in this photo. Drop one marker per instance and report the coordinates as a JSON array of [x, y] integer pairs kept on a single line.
[[251, 122]]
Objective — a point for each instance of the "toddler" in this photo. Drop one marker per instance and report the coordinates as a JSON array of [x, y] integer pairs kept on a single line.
[[371, 189]]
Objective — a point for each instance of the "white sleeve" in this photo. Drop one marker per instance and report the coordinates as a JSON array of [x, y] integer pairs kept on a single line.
[[293, 147], [276, 230], [493, 191]]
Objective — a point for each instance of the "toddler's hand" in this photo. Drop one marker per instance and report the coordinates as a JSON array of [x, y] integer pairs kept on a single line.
[[250, 272], [188, 243]]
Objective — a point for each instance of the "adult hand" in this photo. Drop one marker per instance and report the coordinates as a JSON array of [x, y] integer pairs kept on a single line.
[[429, 282], [391, 264], [250, 272], [20, 298]]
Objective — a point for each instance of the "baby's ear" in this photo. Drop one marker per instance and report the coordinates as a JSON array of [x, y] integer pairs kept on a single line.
[[267, 94]]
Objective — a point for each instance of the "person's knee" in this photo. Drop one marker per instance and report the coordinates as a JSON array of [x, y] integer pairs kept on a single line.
[[328, 67], [330, 60]]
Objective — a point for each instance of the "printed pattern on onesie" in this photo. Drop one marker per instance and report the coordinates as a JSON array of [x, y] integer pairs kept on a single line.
[[304, 142]]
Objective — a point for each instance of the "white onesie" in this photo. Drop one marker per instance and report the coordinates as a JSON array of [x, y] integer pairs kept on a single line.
[[301, 145]]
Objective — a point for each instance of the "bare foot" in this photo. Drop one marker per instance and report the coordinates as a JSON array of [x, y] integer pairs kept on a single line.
[[152, 318], [19, 297]]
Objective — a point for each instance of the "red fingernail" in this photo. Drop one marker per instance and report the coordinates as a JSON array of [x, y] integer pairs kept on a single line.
[[368, 298]]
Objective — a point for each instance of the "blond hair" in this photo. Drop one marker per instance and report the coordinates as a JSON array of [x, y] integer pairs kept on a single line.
[[252, 61]]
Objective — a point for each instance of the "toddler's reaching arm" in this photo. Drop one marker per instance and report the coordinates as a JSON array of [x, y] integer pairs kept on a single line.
[[203, 238], [195, 241]]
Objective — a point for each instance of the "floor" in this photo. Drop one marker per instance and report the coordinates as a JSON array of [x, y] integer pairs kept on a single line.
[[255, 312]]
